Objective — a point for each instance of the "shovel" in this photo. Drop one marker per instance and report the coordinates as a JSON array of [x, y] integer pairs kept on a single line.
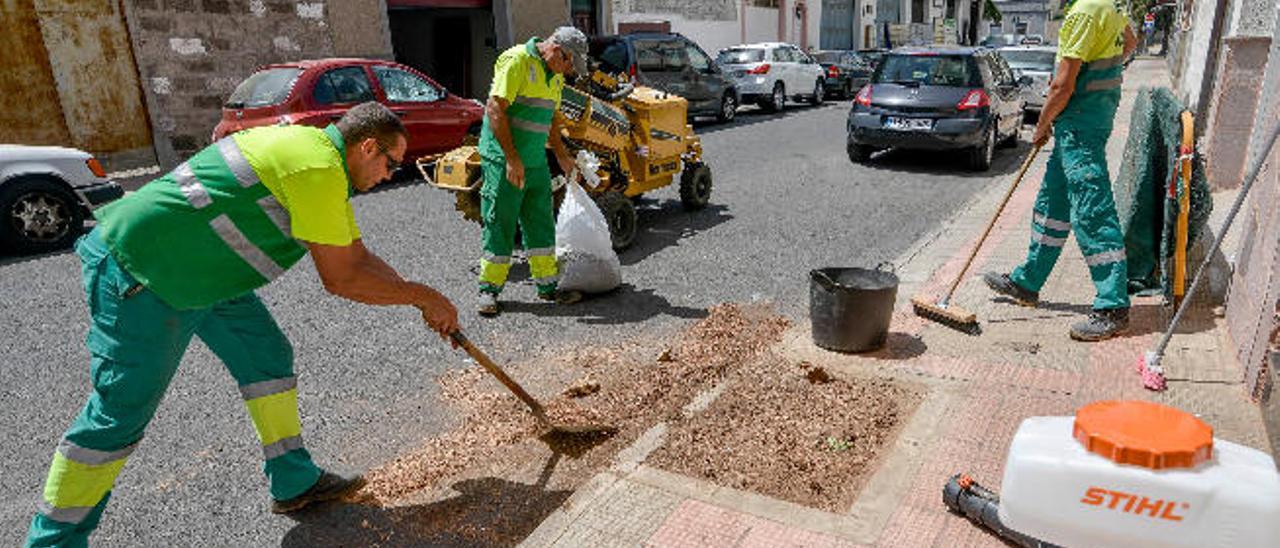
[[539, 412]]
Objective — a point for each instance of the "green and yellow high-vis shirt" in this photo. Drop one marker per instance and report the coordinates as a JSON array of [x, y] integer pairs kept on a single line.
[[532, 90], [233, 217], [1093, 30]]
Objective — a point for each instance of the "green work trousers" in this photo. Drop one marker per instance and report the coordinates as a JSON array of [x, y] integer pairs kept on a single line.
[[136, 342], [503, 207], [1076, 193]]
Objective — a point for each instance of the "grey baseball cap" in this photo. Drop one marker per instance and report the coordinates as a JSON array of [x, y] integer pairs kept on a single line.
[[575, 41]]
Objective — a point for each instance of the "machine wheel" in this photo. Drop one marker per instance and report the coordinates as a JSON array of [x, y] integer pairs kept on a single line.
[[695, 187], [818, 93], [621, 215], [39, 215], [980, 156], [859, 154], [728, 108], [777, 99]]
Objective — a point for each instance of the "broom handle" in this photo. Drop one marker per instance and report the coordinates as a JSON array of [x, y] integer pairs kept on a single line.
[[1217, 242], [1016, 181], [493, 368]]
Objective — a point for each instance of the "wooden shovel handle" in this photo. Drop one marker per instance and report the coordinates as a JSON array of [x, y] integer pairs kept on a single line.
[[493, 368]]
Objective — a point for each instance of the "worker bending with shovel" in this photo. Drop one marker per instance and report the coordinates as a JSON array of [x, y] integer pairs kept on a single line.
[[520, 118], [1093, 43], [181, 257]]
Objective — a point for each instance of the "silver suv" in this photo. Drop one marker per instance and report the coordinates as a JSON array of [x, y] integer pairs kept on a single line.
[[46, 193], [769, 73]]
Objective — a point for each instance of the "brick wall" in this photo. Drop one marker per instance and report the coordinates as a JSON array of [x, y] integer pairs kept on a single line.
[[192, 53]]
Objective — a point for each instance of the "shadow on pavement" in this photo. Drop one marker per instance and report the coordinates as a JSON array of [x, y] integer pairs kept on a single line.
[[624, 305], [485, 512], [951, 162], [1144, 319], [667, 224]]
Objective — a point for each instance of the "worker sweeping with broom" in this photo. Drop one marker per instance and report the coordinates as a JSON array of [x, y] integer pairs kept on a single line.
[[1093, 43]]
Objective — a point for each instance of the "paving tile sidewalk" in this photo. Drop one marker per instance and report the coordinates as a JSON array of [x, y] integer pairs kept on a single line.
[[978, 390]]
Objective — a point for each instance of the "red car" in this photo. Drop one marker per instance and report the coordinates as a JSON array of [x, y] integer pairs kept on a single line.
[[317, 93]]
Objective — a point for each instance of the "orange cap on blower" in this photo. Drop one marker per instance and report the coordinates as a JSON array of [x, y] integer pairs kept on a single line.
[[1144, 434]]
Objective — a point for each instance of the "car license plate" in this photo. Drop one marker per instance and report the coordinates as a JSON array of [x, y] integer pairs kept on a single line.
[[908, 124]]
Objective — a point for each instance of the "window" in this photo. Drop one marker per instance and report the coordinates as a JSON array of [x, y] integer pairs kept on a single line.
[[264, 88], [932, 70], [740, 56], [918, 9], [698, 60], [343, 85], [782, 55], [660, 56], [612, 55], [405, 87]]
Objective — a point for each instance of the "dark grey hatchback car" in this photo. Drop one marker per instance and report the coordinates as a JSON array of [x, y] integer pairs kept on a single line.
[[937, 99], [672, 63]]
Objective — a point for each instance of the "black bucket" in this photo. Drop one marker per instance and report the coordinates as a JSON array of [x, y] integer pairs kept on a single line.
[[851, 307]]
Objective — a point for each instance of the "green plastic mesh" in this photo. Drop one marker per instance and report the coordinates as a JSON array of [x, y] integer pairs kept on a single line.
[[1148, 213]]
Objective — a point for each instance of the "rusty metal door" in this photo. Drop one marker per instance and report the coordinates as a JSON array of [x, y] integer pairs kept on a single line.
[[70, 77]]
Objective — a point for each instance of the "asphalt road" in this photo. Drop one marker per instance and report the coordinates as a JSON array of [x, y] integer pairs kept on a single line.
[[786, 200]]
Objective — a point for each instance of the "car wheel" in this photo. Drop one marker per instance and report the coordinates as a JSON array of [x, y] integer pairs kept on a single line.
[[777, 100], [859, 154], [728, 108], [621, 216], [980, 156], [819, 94], [39, 215], [695, 187]]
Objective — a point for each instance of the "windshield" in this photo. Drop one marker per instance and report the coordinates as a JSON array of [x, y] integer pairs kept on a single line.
[[264, 88], [929, 70], [740, 56], [828, 56], [1029, 59]]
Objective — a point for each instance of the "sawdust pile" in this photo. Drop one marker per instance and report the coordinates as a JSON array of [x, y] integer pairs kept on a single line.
[[628, 387], [790, 431]]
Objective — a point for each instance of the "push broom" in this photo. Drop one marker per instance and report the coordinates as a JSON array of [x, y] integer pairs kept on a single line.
[[942, 311], [1149, 364]]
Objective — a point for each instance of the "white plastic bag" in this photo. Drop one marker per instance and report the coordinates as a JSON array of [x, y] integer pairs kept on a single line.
[[583, 246]]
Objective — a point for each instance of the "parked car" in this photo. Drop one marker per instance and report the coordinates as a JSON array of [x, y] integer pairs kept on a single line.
[[937, 98], [770, 73], [317, 93], [46, 193], [846, 71], [672, 63], [1035, 62], [1001, 40]]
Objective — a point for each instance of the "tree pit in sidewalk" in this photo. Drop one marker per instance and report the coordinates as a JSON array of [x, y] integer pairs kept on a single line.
[[632, 385], [790, 431]]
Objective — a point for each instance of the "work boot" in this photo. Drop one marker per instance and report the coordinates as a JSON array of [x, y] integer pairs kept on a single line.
[[561, 296], [330, 486], [1002, 284], [1101, 325], [487, 304]]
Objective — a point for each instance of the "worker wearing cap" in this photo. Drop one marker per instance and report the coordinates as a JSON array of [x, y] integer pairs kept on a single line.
[[181, 257], [1093, 43], [520, 119]]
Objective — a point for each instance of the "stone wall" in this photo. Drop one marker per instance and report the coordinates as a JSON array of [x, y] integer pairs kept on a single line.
[[1253, 310], [1235, 102], [193, 53], [537, 18], [705, 10]]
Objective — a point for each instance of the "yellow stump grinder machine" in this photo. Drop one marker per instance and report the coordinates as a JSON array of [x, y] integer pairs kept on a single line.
[[640, 135]]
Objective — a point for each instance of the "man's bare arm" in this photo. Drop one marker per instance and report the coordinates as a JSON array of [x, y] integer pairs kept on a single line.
[[353, 272], [1060, 91]]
